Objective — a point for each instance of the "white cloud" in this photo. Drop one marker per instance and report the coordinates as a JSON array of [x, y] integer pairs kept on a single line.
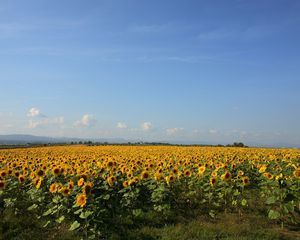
[[46, 122], [35, 112], [213, 131], [121, 125], [146, 126], [173, 131], [87, 120]]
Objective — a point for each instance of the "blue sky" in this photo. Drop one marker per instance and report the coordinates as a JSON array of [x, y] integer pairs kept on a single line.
[[190, 71]]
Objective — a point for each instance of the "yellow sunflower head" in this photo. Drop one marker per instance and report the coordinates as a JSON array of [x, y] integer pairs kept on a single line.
[[81, 200]]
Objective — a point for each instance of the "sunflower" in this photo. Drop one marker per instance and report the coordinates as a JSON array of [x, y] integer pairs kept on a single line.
[[80, 182], [201, 170], [110, 180], [129, 174], [297, 172], [268, 175], [214, 174], [81, 200], [71, 185], [53, 188], [158, 176], [38, 182], [170, 179], [187, 173], [109, 164], [40, 173], [66, 192], [213, 181], [56, 171], [145, 175], [88, 188], [240, 173], [245, 181], [175, 170], [21, 179], [125, 184], [2, 184], [226, 176], [262, 169], [3, 173], [17, 174]]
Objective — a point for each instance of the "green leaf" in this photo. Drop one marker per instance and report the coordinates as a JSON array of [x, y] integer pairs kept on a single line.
[[34, 206], [273, 214], [137, 212], [49, 211], [74, 226], [59, 220], [78, 211], [244, 202], [106, 197], [289, 207], [47, 223], [271, 200], [86, 214], [236, 193], [212, 213]]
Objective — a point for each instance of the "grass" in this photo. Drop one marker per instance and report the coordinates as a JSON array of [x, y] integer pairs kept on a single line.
[[229, 227]]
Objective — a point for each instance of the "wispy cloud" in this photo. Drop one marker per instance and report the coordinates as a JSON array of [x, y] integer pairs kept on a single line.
[[173, 131], [87, 120], [121, 125], [35, 112], [59, 121], [146, 126], [213, 131]]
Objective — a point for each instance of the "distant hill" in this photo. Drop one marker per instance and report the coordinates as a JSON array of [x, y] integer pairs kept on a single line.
[[31, 139]]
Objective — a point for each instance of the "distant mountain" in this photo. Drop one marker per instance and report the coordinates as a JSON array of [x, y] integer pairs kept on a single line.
[[24, 139]]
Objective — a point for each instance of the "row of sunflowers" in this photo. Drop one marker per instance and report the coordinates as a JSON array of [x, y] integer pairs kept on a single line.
[[95, 187]]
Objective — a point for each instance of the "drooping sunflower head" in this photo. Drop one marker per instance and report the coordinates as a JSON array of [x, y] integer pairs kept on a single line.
[[2, 184], [88, 188]]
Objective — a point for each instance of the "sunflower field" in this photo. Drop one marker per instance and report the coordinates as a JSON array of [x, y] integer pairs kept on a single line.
[[98, 190]]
